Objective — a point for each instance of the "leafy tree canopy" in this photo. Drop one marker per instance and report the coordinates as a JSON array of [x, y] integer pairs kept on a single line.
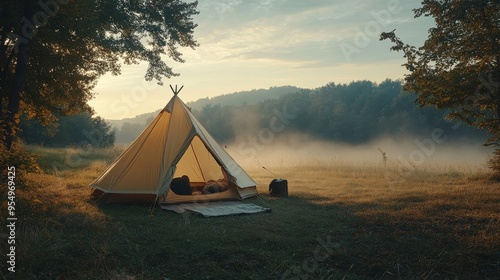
[[52, 52], [458, 68]]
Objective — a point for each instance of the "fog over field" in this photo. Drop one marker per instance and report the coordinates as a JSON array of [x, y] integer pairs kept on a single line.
[[294, 149]]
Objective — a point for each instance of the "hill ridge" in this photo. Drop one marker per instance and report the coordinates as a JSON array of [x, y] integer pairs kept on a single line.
[[235, 99]]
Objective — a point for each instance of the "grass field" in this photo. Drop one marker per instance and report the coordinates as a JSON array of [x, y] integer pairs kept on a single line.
[[342, 221]]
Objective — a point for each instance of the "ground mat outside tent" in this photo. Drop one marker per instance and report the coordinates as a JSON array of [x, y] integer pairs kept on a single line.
[[215, 209]]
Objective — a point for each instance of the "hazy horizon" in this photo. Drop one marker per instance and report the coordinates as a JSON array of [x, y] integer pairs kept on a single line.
[[411, 152]]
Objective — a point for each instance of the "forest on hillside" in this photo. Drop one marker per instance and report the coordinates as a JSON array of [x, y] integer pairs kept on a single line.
[[243, 97], [353, 113]]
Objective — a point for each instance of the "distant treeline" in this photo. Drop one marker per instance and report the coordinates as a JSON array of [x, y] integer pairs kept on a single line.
[[80, 130], [243, 97], [350, 113]]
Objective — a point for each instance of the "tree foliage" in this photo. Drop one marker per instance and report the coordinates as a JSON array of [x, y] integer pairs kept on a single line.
[[80, 130], [52, 52], [458, 68]]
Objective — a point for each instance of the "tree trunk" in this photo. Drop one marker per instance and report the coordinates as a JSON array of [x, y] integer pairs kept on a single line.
[[15, 95], [14, 98], [4, 69], [3, 55]]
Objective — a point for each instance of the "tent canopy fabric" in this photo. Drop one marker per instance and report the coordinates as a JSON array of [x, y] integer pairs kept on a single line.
[[174, 144]]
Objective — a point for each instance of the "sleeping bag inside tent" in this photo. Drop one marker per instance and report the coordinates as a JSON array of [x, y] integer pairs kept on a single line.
[[174, 160]]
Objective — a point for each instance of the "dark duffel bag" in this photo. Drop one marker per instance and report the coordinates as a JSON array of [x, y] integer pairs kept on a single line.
[[279, 188]]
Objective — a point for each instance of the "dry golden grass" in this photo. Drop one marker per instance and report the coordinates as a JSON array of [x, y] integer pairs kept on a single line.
[[452, 205], [380, 222]]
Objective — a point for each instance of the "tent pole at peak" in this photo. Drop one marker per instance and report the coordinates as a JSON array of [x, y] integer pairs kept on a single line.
[[176, 91]]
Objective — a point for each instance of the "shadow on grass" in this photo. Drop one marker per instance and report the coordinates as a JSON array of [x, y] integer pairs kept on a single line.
[[304, 237]]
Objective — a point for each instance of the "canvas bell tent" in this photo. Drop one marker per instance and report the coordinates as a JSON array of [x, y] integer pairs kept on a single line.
[[174, 145]]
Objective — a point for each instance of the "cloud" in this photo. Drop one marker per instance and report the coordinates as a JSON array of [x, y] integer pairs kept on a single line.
[[262, 43], [300, 33]]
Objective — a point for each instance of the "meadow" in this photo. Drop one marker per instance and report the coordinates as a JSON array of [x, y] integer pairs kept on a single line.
[[342, 220]]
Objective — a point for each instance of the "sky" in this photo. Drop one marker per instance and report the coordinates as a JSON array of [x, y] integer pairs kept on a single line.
[[253, 44]]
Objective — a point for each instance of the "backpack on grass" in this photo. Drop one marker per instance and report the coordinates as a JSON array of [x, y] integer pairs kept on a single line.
[[278, 188]]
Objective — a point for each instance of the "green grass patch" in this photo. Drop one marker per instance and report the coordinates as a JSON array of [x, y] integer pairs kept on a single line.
[[53, 160]]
